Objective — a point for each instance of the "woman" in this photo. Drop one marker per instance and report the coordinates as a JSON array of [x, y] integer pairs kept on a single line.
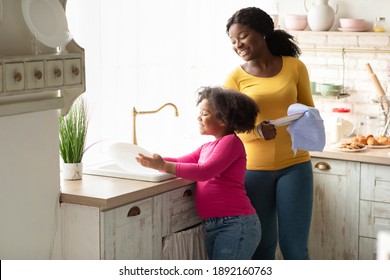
[[232, 227], [279, 184]]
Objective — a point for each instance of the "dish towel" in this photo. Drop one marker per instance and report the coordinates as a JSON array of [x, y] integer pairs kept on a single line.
[[307, 132]]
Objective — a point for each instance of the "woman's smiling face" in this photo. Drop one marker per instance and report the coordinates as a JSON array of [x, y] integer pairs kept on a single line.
[[247, 43], [209, 124]]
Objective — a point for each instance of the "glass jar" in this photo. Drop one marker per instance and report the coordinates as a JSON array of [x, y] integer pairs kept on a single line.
[[340, 124], [371, 125], [380, 24]]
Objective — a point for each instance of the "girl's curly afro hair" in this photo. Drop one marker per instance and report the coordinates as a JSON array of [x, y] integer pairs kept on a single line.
[[235, 109]]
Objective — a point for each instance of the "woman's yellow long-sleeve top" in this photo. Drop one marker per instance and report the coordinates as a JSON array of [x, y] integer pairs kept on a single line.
[[273, 95]]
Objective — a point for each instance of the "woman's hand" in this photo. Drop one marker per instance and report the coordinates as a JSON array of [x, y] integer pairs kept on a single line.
[[155, 162], [268, 130]]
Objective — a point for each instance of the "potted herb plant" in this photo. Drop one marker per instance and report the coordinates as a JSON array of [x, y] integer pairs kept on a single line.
[[73, 129]]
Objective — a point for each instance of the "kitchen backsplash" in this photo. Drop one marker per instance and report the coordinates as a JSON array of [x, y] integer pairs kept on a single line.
[[341, 58]]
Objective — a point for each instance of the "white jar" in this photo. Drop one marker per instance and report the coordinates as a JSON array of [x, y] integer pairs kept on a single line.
[[321, 16], [336, 132]]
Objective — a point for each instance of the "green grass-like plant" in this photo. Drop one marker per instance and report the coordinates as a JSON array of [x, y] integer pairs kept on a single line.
[[73, 132]]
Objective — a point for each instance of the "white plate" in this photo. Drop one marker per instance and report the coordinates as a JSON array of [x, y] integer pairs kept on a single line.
[[378, 146], [353, 29], [123, 154], [287, 119], [47, 22], [349, 150]]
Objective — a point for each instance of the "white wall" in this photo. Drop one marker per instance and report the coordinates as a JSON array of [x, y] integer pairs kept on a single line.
[[145, 53], [29, 185]]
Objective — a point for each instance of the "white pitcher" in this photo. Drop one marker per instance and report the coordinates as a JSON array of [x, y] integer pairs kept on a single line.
[[321, 16]]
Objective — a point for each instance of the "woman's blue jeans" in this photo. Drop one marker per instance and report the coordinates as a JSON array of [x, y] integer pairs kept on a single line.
[[283, 200], [232, 238]]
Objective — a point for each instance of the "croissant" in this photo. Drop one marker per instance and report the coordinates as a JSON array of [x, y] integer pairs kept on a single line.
[[371, 141], [382, 140]]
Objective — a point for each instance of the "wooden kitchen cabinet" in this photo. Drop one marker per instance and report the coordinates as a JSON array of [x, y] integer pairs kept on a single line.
[[131, 231], [179, 210], [334, 233], [127, 231], [374, 207]]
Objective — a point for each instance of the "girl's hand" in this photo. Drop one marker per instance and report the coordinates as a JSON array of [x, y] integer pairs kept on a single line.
[[155, 162], [268, 130]]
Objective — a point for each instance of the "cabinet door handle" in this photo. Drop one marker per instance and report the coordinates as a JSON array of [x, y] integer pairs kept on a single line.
[[75, 71], [187, 193], [322, 166], [57, 73], [38, 74], [17, 76], [134, 211]]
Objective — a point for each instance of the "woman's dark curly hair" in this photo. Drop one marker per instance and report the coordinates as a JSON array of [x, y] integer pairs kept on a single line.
[[279, 42], [236, 110]]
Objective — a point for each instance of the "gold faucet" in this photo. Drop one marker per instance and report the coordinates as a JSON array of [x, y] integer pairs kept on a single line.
[[135, 113]]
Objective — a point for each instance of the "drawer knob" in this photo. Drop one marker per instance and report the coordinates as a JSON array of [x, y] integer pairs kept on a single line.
[[57, 73], [322, 165], [17, 76], [134, 211], [75, 71], [187, 193], [38, 74]]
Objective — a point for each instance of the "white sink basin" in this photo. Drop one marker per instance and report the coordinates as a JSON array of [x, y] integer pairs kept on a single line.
[[110, 169]]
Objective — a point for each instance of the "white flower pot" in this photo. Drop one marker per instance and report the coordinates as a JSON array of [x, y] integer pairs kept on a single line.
[[72, 171]]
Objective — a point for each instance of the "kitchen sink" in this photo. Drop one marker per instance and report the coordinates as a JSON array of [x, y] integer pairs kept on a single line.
[[110, 169]]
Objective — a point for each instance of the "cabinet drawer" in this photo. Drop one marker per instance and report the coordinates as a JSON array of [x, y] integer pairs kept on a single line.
[[375, 182], [54, 73], [182, 213], [128, 231], [14, 76], [333, 167], [72, 69], [35, 74], [374, 217]]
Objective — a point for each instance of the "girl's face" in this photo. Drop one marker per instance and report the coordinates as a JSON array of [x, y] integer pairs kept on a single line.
[[209, 124], [247, 43]]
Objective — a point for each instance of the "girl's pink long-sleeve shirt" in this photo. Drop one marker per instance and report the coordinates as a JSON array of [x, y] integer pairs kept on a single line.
[[218, 167]]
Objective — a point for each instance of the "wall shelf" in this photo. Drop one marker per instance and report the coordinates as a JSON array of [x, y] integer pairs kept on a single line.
[[28, 83], [43, 79]]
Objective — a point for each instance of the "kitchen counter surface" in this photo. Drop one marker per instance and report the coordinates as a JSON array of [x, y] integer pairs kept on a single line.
[[109, 192], [370, 155]]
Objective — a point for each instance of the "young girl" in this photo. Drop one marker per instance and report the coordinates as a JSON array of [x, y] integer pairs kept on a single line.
[[232, 227]]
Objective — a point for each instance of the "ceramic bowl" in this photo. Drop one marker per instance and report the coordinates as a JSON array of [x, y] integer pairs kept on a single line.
[[295, 22], [350, 23], [328, 89]]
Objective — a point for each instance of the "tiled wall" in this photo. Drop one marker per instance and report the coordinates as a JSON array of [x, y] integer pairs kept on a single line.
[[341, 58]]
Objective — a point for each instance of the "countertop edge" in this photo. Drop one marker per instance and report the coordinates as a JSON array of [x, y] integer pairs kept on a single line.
[[374, 156], [82, 192]]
